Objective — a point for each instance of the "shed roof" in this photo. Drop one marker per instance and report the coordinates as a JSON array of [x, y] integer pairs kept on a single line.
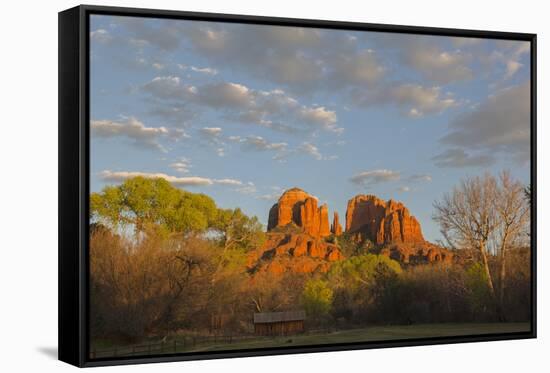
[[267, 317]]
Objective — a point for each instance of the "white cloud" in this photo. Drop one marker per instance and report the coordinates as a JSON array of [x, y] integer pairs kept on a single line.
[[177, 133], [211, 131], [100, 36], [182, 165], [204, 70], [228, 182], [438, 65], [225, 95], [501, 124], [120, 176], [512, 68], [355, 69], [248, 188], [466, 42], [164, 36], [139, 43], [320, 116], [274, 195], [420, 177], [271, 109], [270, 197], [132, 129], [367, 178], [414, 178], [310, 149], [169, 88], [415, 100], [234, 138], [258, 143], [302, 59], [213, 136], [505, 58], [458, 158]]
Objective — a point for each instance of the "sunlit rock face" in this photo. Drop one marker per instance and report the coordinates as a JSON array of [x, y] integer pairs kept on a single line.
[[299, 234], [336, 227], [300, 208], [382, 222], [294, 253]]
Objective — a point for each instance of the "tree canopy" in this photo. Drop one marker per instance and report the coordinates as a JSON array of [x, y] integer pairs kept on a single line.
[[361, 270], [146, 203], [317, 298]]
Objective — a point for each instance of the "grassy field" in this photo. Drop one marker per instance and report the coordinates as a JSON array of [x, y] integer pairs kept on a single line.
[[374, 333]]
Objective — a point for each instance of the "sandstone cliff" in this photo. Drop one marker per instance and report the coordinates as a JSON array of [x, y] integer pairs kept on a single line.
[[369, 217], [336, 227], [294, 252], [298, 228], [300, 208]]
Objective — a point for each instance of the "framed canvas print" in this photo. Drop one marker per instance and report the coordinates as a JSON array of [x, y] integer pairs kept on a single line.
[[240, 186]]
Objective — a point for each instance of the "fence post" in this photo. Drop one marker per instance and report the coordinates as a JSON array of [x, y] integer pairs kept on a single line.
[[175, 346]]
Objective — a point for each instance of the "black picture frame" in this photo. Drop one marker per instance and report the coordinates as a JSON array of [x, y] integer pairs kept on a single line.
[[74, 135]]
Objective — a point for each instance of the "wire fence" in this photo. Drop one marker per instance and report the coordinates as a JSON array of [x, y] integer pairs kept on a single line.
[[175, 346], [181, 344]]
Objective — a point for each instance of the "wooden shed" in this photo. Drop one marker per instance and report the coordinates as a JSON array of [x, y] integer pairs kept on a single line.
[[279, 323]]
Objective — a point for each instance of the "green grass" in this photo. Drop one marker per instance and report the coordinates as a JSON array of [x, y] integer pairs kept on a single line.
[[368, 334], [375, 333]]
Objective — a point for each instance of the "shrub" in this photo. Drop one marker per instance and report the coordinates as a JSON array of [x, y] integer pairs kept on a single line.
[[317, 298]]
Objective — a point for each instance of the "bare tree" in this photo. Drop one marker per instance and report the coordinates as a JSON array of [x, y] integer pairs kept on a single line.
[[468, 218], [513, 213], [489, 215]]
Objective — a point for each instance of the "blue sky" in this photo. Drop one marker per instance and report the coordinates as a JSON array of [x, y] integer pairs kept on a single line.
[[243, 112]]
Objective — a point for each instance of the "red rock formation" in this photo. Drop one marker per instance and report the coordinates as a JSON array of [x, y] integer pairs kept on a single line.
[[368, 217], [419, 253], [287, 209], [300, 248], [309, 216], [291, 252], [324, 227], [336, 228], [299, 208]]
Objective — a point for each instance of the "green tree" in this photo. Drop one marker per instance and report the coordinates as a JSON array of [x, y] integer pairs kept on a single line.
[[351, 247], [238, 230], [479, 294], [145, 202], [317, 298], [361, 270], [359, 283]]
